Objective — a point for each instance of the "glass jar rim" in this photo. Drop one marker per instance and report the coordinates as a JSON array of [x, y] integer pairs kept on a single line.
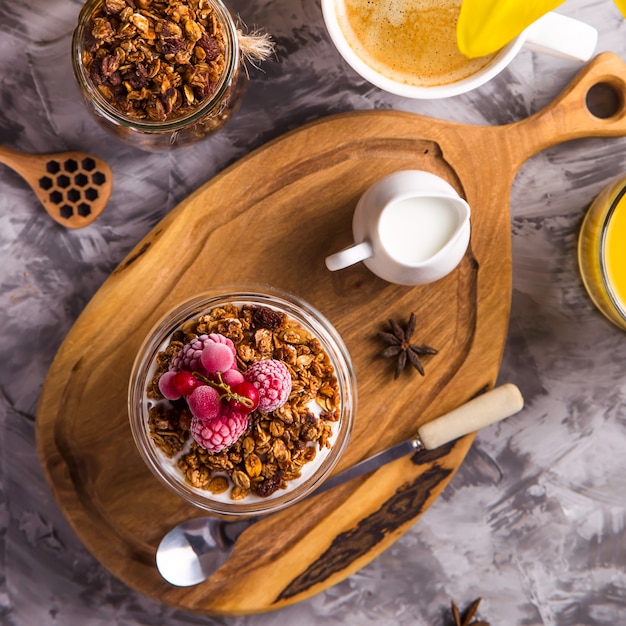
[[114, 115]]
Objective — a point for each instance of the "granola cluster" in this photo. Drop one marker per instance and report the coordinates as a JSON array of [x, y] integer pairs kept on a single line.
[[276, 445], [155, 59]]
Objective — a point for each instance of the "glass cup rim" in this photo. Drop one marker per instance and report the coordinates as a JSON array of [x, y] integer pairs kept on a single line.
[[324, 331], [118, 117], [619, 307]]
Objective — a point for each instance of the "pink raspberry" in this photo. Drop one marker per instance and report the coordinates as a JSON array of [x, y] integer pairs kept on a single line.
[[220, 432], [217, 338], [204, 402], [189, 356], [273, 382]]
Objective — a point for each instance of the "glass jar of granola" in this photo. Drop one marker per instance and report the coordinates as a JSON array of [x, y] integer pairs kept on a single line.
[[158, 73]]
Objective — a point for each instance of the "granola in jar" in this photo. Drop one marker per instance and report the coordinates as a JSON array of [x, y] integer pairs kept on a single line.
[[159, 73], [281, 440]]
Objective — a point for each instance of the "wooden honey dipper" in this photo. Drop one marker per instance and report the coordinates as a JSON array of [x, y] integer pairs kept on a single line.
[[73, 187]]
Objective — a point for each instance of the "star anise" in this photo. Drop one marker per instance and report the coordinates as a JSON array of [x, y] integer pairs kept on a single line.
[[399, 345], [468, 615]]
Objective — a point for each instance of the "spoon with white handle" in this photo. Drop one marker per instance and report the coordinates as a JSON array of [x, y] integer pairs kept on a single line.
[[194, 550]]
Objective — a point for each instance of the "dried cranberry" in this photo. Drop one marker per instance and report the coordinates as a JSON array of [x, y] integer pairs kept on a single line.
[[135, 80], [91, 43], [263, 317], [210, 45], [207, 90], [170, 45], [269, 485]]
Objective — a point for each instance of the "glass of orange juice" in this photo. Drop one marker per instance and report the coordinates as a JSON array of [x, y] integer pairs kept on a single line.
[[602, 252]]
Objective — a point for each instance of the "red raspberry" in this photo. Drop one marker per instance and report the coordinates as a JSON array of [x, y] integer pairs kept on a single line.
[[273, 382], [220, 432]]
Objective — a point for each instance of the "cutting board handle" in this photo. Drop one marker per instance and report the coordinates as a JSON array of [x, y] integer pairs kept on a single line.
[[568, 116]]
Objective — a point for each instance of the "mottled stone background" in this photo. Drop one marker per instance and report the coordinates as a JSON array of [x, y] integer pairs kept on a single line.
[[533, 522]]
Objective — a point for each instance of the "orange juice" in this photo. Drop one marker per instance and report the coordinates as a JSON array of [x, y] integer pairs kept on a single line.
[[615, 251], [602, 252]]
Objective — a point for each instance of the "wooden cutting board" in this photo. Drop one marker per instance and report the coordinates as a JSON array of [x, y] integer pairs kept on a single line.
[[272, 218]]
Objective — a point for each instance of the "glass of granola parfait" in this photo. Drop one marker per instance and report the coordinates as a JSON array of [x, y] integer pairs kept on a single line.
[[242, 401], [158, 73]]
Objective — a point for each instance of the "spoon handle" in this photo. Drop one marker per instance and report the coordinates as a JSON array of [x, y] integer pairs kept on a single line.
[[483, 410], [18, 162]]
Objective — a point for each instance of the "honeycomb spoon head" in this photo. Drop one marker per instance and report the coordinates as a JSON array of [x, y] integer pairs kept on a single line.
[[73, 187]]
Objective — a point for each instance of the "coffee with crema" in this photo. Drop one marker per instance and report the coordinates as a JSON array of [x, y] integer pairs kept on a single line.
[[409, 41]]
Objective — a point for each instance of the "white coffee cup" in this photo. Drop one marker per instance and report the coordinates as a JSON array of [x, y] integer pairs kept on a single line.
[[553, 33], [410, 228]]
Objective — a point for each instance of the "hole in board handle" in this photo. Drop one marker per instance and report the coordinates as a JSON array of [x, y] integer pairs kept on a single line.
[[604, 100]]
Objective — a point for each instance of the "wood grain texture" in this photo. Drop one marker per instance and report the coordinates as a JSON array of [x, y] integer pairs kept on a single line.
[[275, 215]]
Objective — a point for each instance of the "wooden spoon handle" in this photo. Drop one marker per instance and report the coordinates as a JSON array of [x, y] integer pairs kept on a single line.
[[568, 116], [20, 163]]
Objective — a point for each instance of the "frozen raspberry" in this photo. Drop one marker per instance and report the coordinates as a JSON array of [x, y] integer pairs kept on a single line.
[[204, 402], [273, 381], [217, 357], [217, 338], [220, 432], [189, 356]]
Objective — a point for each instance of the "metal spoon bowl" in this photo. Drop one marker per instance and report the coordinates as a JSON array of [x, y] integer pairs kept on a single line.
[[195, 549], [192, 551]]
